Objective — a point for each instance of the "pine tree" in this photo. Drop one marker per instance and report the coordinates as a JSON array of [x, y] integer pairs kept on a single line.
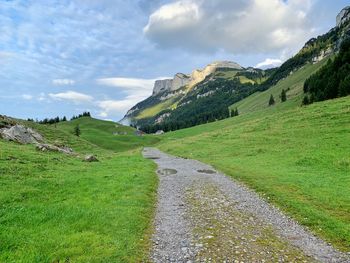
[[77, 130], [306, 100], [283, 96], [272, 100]]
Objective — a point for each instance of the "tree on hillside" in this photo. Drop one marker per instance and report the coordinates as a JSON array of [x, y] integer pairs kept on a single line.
[[272, 100], [283, 96], [77, 130], [306, 100], [234, 112], [64, 118]]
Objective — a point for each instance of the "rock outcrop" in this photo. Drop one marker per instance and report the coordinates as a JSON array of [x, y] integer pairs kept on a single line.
[[53, 148], [343, 16], [162, 86], [90, 158], [180, 80], [20, 134]]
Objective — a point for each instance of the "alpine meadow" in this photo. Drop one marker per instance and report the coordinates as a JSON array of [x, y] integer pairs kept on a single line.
[[105, 158]]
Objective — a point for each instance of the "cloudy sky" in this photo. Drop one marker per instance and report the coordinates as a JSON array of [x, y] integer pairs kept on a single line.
[[66, 56]]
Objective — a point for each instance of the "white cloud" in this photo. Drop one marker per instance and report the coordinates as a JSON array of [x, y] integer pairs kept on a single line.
[[113, 107], [42, 96], [27, 97], [136, 90], [129, 83], [72, 96], [269, 63], [63, 82], [251, 26]]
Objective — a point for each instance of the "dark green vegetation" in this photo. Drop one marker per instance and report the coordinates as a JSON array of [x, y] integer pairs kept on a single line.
[[297, 158], [208, 102], [312, 49], [56, 208], [333, 80], [293, 86]]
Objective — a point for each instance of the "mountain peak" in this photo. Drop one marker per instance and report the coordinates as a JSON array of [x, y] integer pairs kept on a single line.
[[225, 64], [343, 16], [197, 76]]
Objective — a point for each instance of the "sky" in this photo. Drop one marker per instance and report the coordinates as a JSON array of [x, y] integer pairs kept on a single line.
[[63, 57]]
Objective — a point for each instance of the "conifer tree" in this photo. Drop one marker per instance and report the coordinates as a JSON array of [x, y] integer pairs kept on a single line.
[[283, 96], [77, 130], [272, 100]]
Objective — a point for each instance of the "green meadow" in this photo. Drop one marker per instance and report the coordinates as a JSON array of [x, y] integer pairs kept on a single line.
[[297, 158], [56, 208], [107, 134]]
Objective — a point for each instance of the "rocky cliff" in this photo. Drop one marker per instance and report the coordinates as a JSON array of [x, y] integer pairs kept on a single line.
[[343, 16], [180, 80], [202, 94]]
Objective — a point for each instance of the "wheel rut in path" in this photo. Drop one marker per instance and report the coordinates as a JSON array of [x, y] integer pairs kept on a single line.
[[204, 216]]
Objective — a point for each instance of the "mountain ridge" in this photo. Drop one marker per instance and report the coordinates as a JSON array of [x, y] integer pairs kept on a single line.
[[223, 83]]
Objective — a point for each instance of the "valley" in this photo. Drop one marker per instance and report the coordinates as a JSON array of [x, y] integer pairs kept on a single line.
[[223, 164]]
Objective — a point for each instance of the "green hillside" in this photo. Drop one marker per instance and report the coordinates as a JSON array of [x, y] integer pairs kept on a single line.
[[107, 134], [293, 84], [56, 208], [297, 158]]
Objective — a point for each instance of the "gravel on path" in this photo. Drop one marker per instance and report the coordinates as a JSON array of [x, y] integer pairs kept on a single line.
[[204, 216]]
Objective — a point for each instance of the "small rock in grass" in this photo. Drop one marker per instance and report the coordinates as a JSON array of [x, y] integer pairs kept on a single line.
[[90, 158]]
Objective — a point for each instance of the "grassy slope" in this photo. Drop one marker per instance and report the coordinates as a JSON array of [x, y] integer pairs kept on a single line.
[[154, 110], [298, 158], [294, 82], [56, 208], [101, 133]]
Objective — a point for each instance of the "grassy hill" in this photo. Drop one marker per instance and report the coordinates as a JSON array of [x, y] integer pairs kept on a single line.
[[107, 134], [297, 158], [56, 208], [293, 84]]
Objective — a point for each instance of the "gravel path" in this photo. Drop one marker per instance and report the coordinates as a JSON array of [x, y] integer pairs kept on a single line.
[[204, 216]]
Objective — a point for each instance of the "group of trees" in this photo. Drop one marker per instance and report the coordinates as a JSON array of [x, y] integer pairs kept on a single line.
[[84, 114], [51, 120], [58, 119], [173, 125], [234, 112], [199, 109], [311, 49], [332, 80], [283, 98]]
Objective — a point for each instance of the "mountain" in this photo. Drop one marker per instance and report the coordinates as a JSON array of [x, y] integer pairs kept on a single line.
[[206, 95], [208, 91]]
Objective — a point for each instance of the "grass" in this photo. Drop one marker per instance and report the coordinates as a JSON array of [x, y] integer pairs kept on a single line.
[[102, 133], [294, 84], [297, 158], [154, 110], [56, 208]]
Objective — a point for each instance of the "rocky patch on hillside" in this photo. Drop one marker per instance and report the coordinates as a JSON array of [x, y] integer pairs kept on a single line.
[[20, 134]]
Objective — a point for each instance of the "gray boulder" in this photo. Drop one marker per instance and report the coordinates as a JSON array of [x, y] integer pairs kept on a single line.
[[90, 158], [20, 134], [52, 148]]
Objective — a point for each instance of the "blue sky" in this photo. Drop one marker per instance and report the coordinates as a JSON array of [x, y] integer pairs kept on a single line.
[[64, 57]]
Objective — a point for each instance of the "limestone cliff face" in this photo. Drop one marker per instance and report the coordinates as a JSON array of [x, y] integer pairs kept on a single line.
[[180, 80], [199, 75], [162, 85], [343, 16]]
